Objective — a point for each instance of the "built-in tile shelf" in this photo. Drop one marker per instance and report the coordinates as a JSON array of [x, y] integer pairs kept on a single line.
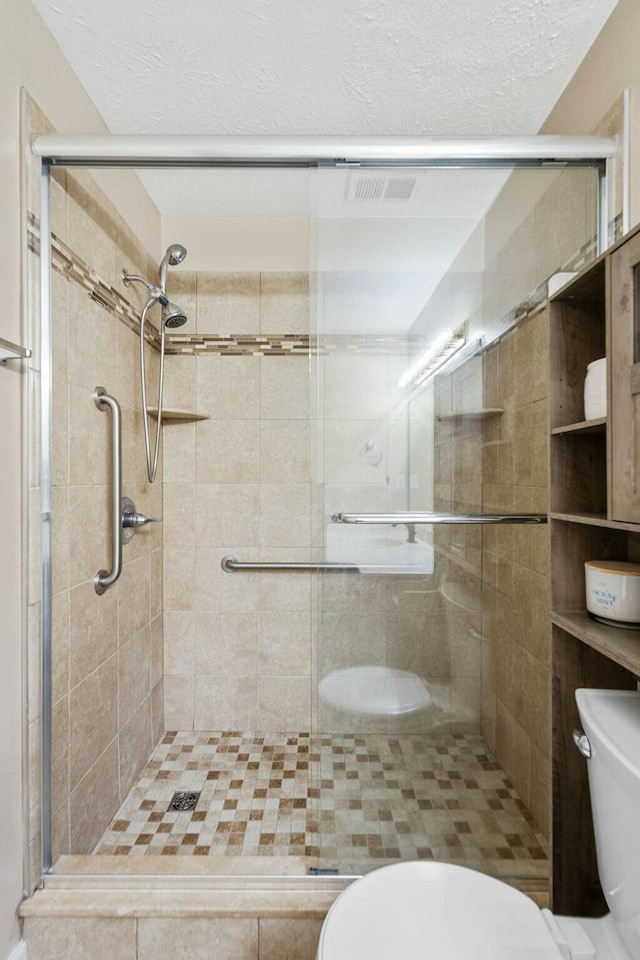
[[619, 644], [584, 426], [472, 414], [178, 416]]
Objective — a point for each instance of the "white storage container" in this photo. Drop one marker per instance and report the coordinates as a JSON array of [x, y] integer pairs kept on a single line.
[[595, 390], [613, 590]]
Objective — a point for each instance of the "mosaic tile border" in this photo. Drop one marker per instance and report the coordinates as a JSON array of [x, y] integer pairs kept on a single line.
[[67, 263], [73, 268]]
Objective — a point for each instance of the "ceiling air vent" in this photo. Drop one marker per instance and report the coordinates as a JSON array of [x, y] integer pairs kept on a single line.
[[370, 189]]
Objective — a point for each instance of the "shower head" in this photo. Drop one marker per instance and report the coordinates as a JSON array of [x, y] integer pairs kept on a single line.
[[173, 316], [175, 254]]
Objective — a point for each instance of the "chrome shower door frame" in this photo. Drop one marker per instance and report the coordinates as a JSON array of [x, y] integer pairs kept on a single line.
[[175, 152]]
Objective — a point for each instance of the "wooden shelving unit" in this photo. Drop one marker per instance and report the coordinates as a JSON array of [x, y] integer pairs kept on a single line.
[[586, 426], [584, 651]]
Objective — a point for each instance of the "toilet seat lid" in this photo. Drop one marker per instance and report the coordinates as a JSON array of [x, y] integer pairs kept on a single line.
[[434, 910]]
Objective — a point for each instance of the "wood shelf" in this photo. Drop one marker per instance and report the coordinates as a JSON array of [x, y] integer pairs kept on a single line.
[[472, 414], [178, 416], [596, 520], [583, 427], [619, 644]]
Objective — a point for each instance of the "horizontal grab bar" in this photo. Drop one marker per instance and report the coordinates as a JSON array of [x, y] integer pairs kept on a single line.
[[424, 517], [230, 563]]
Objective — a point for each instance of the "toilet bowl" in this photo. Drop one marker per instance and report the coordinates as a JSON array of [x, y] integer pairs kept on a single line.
[[443, 911]]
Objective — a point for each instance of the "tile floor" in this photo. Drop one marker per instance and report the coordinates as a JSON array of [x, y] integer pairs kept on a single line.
[[351, 802]]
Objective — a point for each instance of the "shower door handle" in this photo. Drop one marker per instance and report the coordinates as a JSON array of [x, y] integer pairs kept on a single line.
[[105, 578]]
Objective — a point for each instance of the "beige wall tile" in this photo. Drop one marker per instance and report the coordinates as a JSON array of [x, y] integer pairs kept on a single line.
[[93, 711], [157, 651], [155, 582], [225, 703], [228, 388], [135, 743], [228, 452], [226, 644], [178, 702], [226, 513], [179, 635], [182, 289], [285, 451], [91, 224], [214, 939], [134, 669], [289, 939], [225, 592], [284, 644], [92, 344], [284, 703], [178, 577], [133, 598], [284, 303], [284, 515], [89, 532], [285, 591], [93, 630], [59, 938], [178, 514], [228, 303], [94, 801], [158, 725], [284, 393], [179, 452], [365, 643], [513, 746], [180, 383]]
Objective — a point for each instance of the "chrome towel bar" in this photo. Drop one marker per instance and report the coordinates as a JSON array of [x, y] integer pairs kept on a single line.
[[230, 564], [425, 517], [12, 351], [105, 578]]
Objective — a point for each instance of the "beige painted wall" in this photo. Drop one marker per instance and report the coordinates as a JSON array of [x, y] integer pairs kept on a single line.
[[28, 58], [610, 66]]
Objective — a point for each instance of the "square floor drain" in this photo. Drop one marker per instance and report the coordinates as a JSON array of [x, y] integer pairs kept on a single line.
[[184, 801]]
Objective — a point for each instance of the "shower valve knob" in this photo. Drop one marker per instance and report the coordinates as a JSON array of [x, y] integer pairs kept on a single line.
[[132, 520], [138, 520]]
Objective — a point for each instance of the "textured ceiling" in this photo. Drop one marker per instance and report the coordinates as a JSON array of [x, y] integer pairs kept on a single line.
[[334, 66]]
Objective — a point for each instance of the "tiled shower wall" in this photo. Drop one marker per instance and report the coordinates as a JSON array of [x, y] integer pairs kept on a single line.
[[499, 465], [238, 646], [106, 650]]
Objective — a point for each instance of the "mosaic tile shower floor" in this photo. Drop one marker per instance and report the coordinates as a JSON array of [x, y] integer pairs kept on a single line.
[[352, 802]]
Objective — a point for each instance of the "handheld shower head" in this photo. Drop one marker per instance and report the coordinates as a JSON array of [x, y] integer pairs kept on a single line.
[[173, 316], [175, 254]]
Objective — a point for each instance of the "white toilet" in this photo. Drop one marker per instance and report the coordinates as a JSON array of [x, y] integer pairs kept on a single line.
[[438, 911]]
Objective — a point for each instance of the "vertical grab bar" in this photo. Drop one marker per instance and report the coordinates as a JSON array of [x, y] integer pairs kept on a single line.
[[105, 578]]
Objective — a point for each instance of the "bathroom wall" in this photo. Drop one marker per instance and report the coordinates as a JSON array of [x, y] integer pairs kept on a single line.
[[106, 650], [30, 59], [238, 646], [516, 653]]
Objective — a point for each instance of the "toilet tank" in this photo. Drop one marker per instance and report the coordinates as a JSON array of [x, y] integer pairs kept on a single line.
[[611, 721]]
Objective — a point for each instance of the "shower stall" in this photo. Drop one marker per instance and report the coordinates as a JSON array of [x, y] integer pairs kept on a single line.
[[332, 652]]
